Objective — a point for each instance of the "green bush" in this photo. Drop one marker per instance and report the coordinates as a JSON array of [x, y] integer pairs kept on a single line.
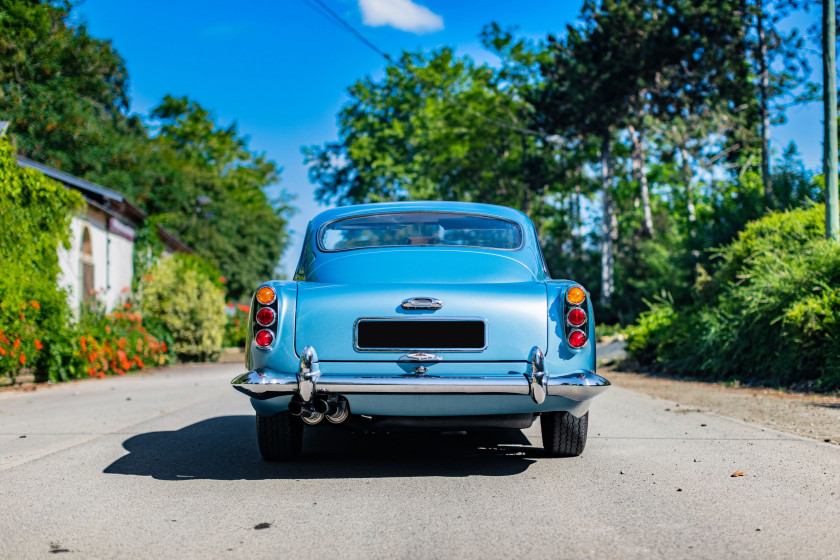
[[770, 314], [236, 329], [179, 298], [35, 213]]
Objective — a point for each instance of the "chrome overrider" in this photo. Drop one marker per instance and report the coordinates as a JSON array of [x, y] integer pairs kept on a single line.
[[316, 397]]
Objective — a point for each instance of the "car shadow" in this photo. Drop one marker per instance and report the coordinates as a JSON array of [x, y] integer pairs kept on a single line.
[[225, 448]]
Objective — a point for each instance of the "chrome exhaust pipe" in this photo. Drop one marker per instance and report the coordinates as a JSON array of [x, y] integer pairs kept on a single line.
[[340, 413], [325, 407], [309, 416]]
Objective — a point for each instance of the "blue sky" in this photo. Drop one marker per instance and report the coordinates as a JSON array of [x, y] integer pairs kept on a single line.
[[280, 69]]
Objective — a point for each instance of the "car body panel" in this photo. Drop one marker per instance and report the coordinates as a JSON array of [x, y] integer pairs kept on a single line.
[[510, 289], [514, 314]]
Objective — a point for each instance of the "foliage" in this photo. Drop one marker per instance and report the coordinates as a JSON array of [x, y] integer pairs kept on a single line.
[[604, 331], [65, 95], [236, 329], [770, 314], [35, 213], [180, 299], [64, 92], [211, 191], [116, 342]]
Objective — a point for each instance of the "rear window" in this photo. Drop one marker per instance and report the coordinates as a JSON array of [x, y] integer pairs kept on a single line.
[[420, 229]]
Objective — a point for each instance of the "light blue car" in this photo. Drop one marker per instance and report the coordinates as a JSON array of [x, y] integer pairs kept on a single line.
[[433, 315]]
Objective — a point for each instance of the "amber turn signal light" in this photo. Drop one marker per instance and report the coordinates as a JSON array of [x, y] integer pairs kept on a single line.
[[575, 295], [266, 295]]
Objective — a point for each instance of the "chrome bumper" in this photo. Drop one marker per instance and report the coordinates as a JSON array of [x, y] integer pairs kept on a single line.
[[266, 384]]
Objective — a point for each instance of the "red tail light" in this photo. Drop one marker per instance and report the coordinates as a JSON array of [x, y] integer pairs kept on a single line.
[[264, 338], [576, 317], [266, 316], [577, 339]]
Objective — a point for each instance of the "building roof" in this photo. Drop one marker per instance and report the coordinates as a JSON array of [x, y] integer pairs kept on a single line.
[[107, 200], [67, 179]]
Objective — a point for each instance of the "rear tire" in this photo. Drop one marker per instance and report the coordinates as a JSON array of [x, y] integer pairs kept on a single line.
[[563, 435], [280, 437]]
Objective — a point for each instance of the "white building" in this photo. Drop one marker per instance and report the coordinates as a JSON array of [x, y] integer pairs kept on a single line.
[[100, 260]]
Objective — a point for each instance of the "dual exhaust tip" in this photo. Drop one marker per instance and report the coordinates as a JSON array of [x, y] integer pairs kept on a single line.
[[335, 411]]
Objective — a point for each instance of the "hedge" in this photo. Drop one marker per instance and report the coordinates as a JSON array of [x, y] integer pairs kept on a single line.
[[770, 313]]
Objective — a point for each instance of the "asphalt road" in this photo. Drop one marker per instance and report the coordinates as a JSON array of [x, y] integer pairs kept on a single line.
[[166, 465]]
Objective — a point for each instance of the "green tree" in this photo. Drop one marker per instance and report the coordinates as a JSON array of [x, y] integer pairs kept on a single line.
[[438, 127], [211, 190], [64, 92]]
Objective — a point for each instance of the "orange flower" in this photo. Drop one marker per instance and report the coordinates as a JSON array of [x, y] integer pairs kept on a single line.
[[22, 359], [163, 347], [139, 362], [35, 304], [38, 345], [120, 372], [22, 317], [108, 329], [17, 343], [2, 351], [83, 344], [121, 355], [91, 371], [128, 305]]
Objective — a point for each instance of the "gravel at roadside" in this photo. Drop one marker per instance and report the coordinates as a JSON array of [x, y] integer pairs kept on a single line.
[[804, 414]]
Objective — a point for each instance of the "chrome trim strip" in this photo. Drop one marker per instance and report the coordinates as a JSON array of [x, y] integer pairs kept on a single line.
[[254, 383], [420, 357], [419, 349], [578, 386]]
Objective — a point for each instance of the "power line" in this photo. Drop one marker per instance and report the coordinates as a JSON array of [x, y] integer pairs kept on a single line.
[[320, 7], [352, 30]]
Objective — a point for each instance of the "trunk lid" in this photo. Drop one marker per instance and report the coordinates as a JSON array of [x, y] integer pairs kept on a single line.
[[476, 322]]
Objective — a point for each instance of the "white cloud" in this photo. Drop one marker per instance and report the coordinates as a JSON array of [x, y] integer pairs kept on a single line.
[[401, 14]]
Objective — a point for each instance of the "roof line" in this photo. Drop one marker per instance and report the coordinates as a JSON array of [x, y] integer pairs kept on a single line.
[[70, 179]]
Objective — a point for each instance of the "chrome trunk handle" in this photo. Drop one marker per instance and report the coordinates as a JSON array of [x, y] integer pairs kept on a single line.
[[422, 303]]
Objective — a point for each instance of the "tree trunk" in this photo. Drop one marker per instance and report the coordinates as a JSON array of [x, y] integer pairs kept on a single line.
[[609, 225], [687, 174], [641, 177], [526, 206], [763, 109]]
